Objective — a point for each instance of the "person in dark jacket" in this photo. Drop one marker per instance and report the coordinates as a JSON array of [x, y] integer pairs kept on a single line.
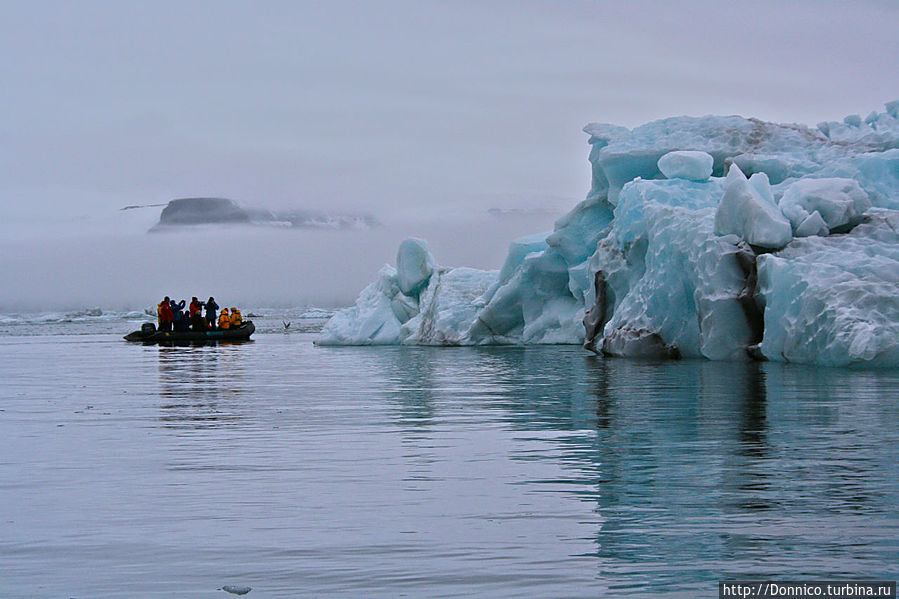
[[197, 322], [196, 307], [211, 307], [178, 316]]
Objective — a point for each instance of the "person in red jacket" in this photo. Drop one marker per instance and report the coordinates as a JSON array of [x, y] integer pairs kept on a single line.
[[166, 315], [197, 322], [194, 308]]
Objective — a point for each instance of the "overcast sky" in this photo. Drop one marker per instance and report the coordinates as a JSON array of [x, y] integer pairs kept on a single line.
[[406, 110]]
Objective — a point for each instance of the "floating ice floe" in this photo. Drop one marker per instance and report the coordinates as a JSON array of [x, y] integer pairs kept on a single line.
[[717, 237]]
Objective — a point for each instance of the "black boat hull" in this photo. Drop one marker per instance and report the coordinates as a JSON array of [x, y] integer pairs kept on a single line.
[[241, 333]]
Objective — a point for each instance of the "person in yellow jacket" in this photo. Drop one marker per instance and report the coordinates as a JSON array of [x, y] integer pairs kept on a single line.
[[224, 320], [236, 318]]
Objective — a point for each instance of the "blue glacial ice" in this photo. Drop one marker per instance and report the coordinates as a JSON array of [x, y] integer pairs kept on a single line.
[[836, 203], [715, 237]]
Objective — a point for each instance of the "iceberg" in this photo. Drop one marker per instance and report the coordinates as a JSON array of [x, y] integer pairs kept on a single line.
[[722, 238]]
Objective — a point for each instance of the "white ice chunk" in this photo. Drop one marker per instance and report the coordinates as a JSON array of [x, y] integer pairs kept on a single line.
[[414, 265], [840, 202], [746, 212], [687, 164], [813, 225], [762, 184]]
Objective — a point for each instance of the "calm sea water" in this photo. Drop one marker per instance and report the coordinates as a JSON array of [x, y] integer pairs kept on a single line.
[[302, 471]]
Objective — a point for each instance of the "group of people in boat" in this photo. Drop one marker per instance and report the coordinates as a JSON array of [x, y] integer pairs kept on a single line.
[[173, 317]]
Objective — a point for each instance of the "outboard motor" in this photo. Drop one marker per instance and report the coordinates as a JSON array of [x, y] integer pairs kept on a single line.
[[148, 328]]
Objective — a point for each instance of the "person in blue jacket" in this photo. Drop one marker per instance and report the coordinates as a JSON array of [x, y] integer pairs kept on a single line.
[[178, 315], [211, 307]]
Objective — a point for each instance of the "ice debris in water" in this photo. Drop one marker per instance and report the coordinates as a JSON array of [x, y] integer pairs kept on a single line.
[[235, 590], [715, 237]]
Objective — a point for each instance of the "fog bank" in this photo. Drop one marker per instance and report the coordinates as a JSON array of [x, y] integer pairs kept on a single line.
[[250, 266]]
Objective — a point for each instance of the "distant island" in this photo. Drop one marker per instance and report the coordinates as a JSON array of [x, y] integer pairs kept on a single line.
[[185, 212]]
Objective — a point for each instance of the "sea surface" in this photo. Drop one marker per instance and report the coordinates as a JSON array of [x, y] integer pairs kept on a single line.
[[304, 471]]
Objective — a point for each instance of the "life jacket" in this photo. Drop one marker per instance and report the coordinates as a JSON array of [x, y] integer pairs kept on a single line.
[[165, 312], [236, 318], [195, 308], [224, 320]]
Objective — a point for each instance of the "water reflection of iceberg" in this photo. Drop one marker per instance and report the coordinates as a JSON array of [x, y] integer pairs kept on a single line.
[[697, 470]]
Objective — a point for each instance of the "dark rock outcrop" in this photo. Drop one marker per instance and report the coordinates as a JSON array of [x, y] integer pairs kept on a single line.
[[201, 211], [596, 318]]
